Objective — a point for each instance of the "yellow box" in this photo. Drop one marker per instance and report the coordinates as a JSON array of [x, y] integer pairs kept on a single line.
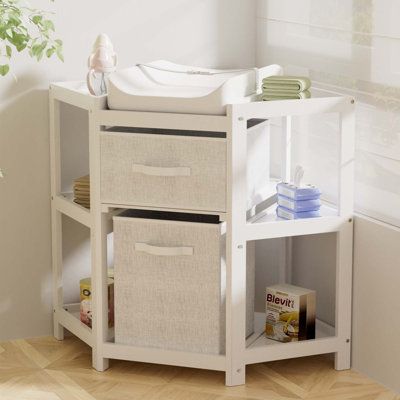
[[86, 301], [290, 313]]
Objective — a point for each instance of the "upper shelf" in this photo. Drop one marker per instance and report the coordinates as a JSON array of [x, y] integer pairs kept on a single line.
[[322, 101], [77, 94]]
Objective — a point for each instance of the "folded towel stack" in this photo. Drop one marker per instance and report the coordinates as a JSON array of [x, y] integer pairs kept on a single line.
[[297, 202], [285, 88], [82, 191]]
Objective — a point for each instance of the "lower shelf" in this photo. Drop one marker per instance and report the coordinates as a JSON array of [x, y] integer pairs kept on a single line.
[[69, 318], [168, 357], [261, 349], [258, 348]]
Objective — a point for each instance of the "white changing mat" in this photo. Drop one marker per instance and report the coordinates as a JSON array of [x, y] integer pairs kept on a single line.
[[162, 86]]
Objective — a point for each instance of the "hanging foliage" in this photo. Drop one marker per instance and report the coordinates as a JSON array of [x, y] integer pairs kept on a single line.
[[23, 28]]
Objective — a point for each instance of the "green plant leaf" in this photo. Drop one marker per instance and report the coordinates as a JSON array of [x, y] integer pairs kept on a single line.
[[35, 49], [59, 54], [36, 19], [4, 69], [23, 28], [14, 20], [50, 51], [48, 25]]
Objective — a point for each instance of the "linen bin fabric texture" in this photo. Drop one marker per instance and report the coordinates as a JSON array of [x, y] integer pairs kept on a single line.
[[204, 189], [170, 302]]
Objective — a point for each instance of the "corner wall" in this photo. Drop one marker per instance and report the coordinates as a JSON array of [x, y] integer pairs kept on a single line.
[[195, 32]]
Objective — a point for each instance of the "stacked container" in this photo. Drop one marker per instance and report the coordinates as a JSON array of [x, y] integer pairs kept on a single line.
[[170, 268], [297, 202]]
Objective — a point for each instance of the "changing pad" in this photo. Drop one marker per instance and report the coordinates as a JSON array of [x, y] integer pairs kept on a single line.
[[162, 86]]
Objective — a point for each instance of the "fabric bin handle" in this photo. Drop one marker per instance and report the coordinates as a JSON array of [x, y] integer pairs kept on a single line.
[[161, 171], [163, 251]]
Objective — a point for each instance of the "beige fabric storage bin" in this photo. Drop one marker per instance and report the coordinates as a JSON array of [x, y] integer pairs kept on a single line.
[[170, 281], [177, 169], [157, 170]]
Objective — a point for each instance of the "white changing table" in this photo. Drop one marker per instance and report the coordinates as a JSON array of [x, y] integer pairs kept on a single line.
[[240, 229]]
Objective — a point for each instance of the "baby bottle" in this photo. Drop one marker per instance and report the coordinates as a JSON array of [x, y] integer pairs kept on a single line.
[[101, 63]]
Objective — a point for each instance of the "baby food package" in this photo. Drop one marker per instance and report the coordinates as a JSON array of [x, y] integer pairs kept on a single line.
[[290, 313], [86, 301]]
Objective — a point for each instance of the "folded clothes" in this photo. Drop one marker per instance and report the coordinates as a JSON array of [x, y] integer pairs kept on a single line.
[[286, 83], [275, 95]]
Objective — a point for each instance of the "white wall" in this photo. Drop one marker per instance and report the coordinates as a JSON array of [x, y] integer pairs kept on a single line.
[[376, 302], [352, 47], [197, 32]]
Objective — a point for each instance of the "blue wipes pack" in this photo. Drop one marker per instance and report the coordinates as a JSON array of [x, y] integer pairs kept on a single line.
[[297, 192], [285, 213], [299, 205]]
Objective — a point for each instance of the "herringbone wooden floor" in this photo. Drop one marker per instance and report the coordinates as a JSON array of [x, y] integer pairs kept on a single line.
[[45, 369]]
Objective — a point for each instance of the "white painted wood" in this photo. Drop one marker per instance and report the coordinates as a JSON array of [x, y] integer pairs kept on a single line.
[[261, 352], [99, 223], [262, 226], [280, 108], [76, 94], [71, 321], [168, 357], [164, 120], [107, 206], [65, 205], [236, 250], [258, 339], [269, 228], [344, 254], [344, 278], [56, 221]]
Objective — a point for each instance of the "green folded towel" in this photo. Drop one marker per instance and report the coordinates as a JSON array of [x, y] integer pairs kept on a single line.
[[286, 83], [306, 94]]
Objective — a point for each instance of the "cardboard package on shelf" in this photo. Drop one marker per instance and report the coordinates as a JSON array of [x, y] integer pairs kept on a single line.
[[82, 191]]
